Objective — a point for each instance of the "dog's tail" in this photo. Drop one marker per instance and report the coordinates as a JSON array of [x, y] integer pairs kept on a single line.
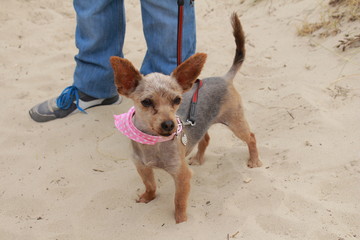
[[240, 47]]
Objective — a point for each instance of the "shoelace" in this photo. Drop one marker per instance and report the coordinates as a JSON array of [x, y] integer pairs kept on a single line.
[[67, 97]]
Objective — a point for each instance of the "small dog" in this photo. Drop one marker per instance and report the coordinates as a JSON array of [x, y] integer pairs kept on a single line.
[[159, 99]]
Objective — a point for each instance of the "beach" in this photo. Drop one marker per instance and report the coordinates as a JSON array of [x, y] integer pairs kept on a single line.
[[73, 178]]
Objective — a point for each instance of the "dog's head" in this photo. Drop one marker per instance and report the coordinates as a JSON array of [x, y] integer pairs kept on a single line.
[[157, 96]]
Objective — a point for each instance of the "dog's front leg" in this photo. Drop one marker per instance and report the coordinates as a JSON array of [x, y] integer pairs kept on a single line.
[[182, 183], [147, 175]]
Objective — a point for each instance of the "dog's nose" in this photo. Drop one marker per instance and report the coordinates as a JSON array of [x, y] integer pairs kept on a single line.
[[167, 125]]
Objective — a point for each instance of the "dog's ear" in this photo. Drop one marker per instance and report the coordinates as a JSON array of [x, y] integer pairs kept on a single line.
[[126, 76], [187, 72]]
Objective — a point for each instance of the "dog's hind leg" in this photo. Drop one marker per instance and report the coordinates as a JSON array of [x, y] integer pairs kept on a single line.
[[254, 160], [241, 129], [202, 145], [238, 124], [147, 175]]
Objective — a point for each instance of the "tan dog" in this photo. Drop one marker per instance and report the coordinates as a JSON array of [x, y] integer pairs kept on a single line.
[[158, 99]]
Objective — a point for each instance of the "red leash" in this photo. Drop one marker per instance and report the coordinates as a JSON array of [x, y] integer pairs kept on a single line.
[[192, 112], [180, 30]]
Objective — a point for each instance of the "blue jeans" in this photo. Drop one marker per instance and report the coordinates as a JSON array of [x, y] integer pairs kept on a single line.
[[100, 34]]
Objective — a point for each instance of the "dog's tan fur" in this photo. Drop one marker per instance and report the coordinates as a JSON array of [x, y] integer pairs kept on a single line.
[[164, 92]]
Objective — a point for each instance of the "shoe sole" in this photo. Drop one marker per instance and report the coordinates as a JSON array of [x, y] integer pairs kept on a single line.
[[46, 118]]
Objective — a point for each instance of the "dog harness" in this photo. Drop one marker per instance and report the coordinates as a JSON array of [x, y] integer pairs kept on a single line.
[[191, 120], [192, 111], [124, 123]]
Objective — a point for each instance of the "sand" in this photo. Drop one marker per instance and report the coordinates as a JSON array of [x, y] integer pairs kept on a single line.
[[73, 178]]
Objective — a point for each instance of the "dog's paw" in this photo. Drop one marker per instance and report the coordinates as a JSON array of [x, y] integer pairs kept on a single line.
[[193, 161], [180, 217], [146, 197], [254, 163], [196, 160]]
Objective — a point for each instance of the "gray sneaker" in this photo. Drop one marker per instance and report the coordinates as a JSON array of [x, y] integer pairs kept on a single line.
[[70, 101]]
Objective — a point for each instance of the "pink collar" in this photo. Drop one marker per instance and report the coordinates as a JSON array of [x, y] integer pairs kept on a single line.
[[124, 123]]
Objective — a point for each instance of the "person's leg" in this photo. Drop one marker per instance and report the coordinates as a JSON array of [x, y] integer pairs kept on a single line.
[[99, 34], [160, 19]]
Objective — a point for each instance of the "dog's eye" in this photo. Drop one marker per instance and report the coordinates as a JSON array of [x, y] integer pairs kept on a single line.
[[177, 100], [147, 102]]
